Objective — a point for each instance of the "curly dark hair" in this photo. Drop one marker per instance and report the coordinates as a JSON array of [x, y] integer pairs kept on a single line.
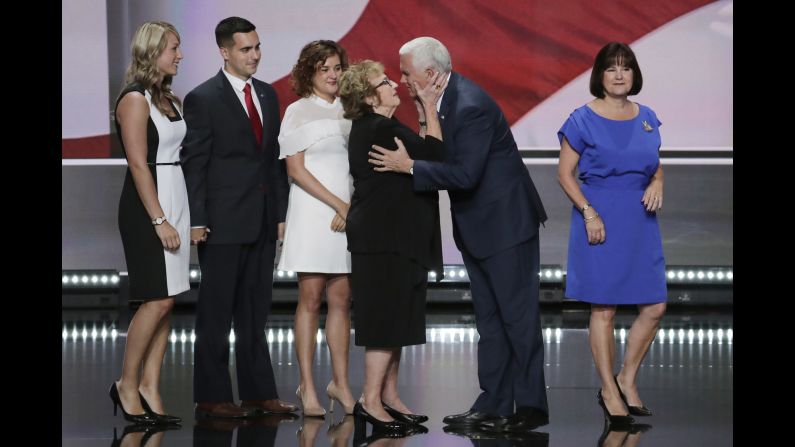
[[355, 87], [312, 57]]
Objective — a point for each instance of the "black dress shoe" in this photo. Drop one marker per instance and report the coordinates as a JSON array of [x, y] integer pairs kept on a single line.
[[469, 418], [362, 415], [160, 418], [525, 419], [411, 419], [633, 410]]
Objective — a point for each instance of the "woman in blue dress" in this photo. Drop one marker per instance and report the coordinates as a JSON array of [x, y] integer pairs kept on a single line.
[[615, 250]]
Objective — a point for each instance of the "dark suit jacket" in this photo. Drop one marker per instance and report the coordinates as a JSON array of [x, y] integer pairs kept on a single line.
[[234, 186], [493, 200]]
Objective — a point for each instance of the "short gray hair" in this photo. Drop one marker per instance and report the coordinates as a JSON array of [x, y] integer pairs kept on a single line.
[[427, 52]]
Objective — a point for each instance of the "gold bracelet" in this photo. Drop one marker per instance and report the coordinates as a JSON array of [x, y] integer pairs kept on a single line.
[[588, 219]]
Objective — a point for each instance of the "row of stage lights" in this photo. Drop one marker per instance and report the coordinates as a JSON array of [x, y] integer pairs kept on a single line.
[[434, 335], [548, 274]]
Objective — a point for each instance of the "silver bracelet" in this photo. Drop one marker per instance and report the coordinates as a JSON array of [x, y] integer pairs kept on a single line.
[[588, 219]]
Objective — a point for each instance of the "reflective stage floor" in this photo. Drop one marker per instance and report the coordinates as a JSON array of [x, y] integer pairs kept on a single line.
[[687, 380]]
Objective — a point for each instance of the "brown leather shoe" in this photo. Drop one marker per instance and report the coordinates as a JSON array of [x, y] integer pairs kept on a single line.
[[269, 406], [222, 410]]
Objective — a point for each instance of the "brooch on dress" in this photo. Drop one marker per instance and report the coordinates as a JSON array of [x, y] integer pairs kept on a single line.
[[646, 126]]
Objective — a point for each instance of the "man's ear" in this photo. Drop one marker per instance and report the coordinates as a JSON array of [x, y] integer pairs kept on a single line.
[[224, 53], [430, 73]]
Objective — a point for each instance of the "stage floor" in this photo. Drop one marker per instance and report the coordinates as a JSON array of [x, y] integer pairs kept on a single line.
[[686, 380]]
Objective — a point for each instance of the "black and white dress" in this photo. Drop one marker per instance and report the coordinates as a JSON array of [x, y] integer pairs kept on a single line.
[[153, 271]]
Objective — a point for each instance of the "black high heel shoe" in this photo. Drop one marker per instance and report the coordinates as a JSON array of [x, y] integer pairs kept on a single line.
[[636, 411], [410, 419], [144, 418], [378, 425], [161, 418], [616, 422]]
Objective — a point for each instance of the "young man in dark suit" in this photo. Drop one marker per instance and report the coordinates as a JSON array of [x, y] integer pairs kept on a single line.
[[237, 189], [496, 212]]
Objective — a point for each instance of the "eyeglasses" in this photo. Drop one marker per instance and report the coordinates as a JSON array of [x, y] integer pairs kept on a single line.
[[386, 81]]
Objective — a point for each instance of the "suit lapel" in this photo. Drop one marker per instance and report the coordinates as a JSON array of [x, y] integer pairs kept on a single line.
[[448, 100], [229, 97]]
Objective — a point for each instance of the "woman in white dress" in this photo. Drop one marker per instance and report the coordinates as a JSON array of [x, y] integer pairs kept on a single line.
[[314, 140]]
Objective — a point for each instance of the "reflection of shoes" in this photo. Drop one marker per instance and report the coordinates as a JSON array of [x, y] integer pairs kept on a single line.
[[408, 418], [317, 412], [307, 432], [525, 419], [134, 428], [224, 425], [273, 420], [161, 418], [528, 438], [155, 430], [342, 429], [333, 394], [468, 418], [378, 434], [639, 428], [609, 428], [143, 418], [633, 410], [617, 422], [222, 410], [269, 406], [469, 431]]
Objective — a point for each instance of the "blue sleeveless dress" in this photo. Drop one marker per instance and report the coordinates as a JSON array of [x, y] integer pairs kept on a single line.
[[617, 161]]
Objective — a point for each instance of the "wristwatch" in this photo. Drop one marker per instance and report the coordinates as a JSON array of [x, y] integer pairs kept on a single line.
[[159, 220]]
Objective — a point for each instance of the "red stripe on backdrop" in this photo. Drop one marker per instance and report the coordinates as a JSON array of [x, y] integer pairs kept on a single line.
[[87, 147], [521, 52]]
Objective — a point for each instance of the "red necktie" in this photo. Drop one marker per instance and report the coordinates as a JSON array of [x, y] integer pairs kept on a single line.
[[256, 122]]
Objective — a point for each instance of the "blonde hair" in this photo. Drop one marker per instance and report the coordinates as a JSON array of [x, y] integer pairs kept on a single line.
[[147, 45], [355, 87]]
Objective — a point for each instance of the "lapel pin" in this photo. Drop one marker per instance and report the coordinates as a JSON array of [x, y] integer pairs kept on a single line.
[[646, 126]]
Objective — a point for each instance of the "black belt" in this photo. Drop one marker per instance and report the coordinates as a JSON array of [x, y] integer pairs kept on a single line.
[[175, 163]]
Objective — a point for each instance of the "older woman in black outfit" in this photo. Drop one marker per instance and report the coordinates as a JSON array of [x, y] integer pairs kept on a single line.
[[393, 236]]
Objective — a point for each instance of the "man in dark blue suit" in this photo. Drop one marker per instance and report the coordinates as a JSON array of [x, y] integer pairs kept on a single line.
[[496, 212], [237, 189]]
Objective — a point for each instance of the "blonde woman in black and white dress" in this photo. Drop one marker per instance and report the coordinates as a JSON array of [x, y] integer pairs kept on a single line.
[[154, 219]]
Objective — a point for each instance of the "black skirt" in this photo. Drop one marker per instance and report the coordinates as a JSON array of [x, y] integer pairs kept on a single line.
[[388, 300]]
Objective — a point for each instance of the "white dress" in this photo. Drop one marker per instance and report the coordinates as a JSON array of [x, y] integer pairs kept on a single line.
[[316, 127]]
